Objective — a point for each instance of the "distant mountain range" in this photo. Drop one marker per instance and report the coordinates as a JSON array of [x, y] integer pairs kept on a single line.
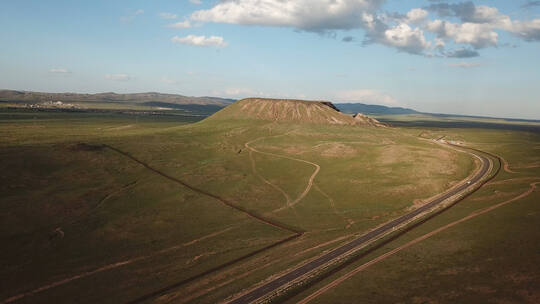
[[199, 105], [135, 98], [353, 108], [210, 104]]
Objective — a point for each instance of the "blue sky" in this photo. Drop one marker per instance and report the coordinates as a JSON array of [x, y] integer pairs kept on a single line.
[[479, 57]]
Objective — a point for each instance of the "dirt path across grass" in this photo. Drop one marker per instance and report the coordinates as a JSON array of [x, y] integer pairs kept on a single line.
[[111, 266], [254, 169], [349, 221], [507, 166], [415, 241], [267, 289], [115, 192], [311, 178], [296, 233], [206, 193], [512, 180]]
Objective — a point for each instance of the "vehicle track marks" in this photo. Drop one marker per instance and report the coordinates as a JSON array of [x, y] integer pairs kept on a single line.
[[296, 233], [415, 241], [267, 289], [110, 267], [349, 221], [254, 169], [206, 193], [311, 178]]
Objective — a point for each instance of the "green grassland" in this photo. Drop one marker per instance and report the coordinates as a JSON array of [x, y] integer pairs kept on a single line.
[[71, 206], [491, 258]]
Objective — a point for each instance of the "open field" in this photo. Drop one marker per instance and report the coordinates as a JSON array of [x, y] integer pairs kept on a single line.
[[78, 215], [460, 122], [482, 250], [270, 151]]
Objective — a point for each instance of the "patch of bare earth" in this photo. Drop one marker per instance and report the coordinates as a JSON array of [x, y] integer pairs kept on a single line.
[[434, 160], [338, 150]]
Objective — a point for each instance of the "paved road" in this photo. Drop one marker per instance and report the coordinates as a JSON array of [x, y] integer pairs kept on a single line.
[[275, 284]]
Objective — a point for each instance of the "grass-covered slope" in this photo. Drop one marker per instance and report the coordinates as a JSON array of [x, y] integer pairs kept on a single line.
[[483, 250], [72, 206]]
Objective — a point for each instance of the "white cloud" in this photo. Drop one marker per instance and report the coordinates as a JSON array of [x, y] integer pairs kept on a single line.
[[527, 30], [196, 2], [486, 14], [467, 12], [239, 92], [476, 26], [132, 16], [309, 15], [322, 16], [478, 35], [167, 16], [439, 43], [416, 15], [404, 38], [59, 71], [200, 40], [366, 96], [479, 23], [465, 65], [118, 77], [181, 24], [244, 92]]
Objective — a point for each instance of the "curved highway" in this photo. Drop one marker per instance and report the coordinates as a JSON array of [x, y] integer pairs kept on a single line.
[[345, 249]]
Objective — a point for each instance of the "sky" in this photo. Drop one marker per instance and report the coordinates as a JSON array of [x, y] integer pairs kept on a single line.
[[460, 57]]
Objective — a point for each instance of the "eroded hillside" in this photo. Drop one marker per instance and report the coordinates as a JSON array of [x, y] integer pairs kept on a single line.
[[290, 110]]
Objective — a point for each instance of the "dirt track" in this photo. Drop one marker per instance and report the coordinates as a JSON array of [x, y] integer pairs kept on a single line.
[[311, 178], [201, 191], [417, 240], [296, 233], [275, 286], [111, 266]]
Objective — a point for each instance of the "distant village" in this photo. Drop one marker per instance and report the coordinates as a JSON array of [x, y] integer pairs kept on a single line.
[[51, 105]]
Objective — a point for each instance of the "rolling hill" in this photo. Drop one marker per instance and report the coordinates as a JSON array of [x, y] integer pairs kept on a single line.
[[135, 98]]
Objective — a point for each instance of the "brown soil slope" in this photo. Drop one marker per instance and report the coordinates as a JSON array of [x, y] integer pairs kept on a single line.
[[287, 110], [362, 119]]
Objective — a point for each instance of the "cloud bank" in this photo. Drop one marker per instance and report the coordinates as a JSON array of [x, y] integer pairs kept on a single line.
[[214, 41], [367, 96], [477, 26]]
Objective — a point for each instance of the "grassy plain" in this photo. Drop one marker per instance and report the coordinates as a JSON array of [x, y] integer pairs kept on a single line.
[[71, 206], [490, 258]]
